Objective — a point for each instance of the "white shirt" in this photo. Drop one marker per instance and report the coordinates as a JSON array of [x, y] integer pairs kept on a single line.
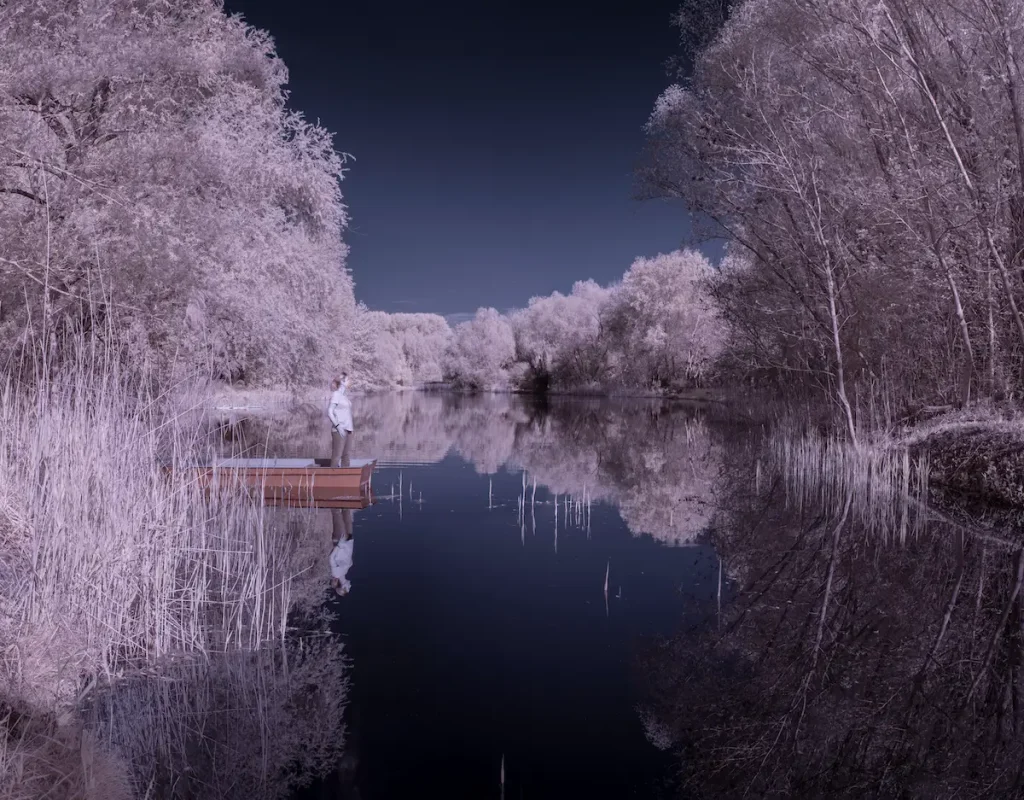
[[339, 409], [341, 562]]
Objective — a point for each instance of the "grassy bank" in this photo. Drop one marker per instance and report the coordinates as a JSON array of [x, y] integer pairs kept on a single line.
[[975, 455], [113, 568]]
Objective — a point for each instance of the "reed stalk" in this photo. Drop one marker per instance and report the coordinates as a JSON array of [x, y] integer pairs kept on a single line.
[[886, 486]]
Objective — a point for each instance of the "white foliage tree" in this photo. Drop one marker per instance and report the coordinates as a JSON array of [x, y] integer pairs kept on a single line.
[[382, 361], [662, 328], [150, 170], [560, 336], [399, 349], [424, 339], [656, 330], [481, 352]]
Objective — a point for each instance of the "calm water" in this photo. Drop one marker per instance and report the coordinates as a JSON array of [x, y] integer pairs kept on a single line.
[[471, 640], [838, 641], [477, 628]]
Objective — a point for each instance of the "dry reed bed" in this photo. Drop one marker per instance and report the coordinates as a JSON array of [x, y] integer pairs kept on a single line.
[[884, 485], [110, 564]]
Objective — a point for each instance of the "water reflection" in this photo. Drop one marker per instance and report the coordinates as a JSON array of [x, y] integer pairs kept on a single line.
[[235, 724], [462, 644], [341, 555], [255, 708], [850, 642], [657, 462], [469, 648], [854, 660]]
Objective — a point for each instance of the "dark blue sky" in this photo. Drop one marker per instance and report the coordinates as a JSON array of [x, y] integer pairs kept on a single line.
[[494, 143]]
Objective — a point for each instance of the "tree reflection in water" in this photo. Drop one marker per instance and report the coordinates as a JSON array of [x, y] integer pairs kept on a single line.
[[863, 648], [852, 662], [255, 708], [657, 461], [237, 724]]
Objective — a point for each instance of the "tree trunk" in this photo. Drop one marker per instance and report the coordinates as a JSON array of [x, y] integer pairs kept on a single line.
[[925, 87], [840, 379], [1012, 81], [967, 372], [993, 389]]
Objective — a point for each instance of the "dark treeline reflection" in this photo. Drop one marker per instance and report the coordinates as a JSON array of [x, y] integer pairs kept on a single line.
[[656, 461], [255, 708], [849, 662], [857, 651], [242, 724]]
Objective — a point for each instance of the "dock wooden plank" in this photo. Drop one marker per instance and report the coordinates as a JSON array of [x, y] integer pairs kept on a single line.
[[296, 474]]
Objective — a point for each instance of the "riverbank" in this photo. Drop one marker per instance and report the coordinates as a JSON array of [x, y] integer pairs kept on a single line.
[[227, 398], [130, 600], [968, 464], [976, 455], [973, 457]]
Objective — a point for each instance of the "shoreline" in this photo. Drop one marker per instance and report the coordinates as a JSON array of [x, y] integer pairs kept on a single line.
[[230, 398], [977, 453], [980, 461]]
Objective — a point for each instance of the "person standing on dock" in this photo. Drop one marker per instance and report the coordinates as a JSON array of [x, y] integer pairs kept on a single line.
[[339, 409]]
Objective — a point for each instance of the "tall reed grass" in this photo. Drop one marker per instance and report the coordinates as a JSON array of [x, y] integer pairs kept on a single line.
[[113, 560], [887, 487]]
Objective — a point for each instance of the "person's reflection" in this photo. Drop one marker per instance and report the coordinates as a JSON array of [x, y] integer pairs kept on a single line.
[[341, 555]]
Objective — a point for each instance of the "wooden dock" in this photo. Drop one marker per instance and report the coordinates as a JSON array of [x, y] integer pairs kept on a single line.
[[306, 482], [317, 498]]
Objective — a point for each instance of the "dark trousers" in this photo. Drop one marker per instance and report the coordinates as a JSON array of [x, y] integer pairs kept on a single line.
[[341, 524], [341, 446]]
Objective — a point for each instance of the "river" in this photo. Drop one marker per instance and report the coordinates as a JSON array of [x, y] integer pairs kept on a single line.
[[849, 633], [479, 640]]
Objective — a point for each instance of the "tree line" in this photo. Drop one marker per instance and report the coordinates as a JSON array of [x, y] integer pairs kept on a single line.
[[864, 160], [156, 188], [655, 330], [154, 184]]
